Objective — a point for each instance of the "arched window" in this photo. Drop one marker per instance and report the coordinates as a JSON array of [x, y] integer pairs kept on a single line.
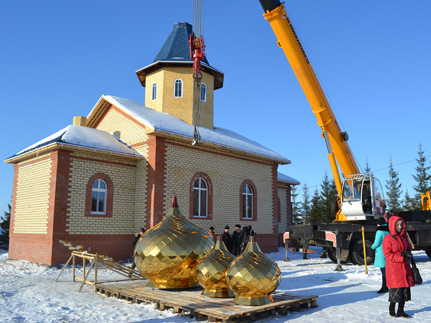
[[247, 202], [200, 198], [178, 88], [98, 197], [203, 92], [154, 95]]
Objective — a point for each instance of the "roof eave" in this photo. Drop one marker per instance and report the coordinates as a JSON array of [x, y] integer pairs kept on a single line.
[[219, 148], [143, 72], [56, 146]]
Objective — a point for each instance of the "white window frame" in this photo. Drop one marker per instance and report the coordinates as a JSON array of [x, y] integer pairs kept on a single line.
[[99, 190], [199, 190], [247, 191], [154, 93], [204, 92], [178, 88]]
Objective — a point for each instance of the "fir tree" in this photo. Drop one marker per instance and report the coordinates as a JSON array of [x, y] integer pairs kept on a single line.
[[328, 194], [367, 168], [393, 188], [422, 177], [409, 203], [305, 205], [315, 214], [4, 226], [296, 215]]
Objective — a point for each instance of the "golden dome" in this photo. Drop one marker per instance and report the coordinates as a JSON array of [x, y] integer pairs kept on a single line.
[[168, 253], [253, 276], [212, 270]]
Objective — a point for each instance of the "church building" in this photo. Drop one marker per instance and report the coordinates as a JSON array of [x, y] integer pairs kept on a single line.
[[97, 181]]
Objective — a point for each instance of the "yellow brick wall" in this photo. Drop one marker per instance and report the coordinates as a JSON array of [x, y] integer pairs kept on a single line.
[[282, 227], [129, 131], [32, 195], [180, 107], [226, 173], [123, 178], [140, 195], [132, 134], [158, 78]]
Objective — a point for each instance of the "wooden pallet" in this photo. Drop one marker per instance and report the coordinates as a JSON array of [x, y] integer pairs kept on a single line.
[[193, 304]]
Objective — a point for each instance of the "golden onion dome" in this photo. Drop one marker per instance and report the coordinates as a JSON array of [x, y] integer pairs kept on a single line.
[[169, 252], [212, 271], [253, 276]]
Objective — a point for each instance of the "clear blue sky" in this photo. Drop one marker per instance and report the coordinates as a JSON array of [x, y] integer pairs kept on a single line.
[[372, 57]]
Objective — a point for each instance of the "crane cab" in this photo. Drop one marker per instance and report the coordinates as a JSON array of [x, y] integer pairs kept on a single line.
[[362, 197]]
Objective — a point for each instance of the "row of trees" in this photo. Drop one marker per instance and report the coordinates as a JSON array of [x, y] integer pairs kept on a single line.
[[317, 207], [4, 227]]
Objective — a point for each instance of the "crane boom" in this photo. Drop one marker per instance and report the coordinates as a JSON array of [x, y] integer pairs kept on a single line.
[[288, 40], [360, 195]]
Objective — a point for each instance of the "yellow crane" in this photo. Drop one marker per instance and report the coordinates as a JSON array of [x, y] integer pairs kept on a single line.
[[360, 194]]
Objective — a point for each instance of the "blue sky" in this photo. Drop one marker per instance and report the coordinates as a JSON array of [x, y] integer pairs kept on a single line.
[[372, 58]]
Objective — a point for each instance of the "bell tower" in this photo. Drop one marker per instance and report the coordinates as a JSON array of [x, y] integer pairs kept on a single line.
[[169, 83]]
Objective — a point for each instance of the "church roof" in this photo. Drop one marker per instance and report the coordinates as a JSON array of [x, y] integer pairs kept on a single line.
[[177, 47], [82, 137], [176, 52], [287, 179], [167, 125]]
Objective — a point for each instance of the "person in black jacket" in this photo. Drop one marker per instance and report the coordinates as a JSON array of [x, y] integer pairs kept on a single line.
[[226, 238], [135, 242], [247, 231], [237, 239]]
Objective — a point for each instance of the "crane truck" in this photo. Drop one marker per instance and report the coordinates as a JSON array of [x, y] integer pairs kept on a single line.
[[360, 200]]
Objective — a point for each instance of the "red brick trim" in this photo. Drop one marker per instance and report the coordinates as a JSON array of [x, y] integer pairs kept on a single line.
[[109, 197], [156, 185], [210, 196], [37, 160], [253, 159], [103, 161], [289, 211], [241, 204]]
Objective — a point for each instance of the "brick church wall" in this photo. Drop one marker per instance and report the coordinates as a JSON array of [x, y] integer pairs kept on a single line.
[[226, 172]]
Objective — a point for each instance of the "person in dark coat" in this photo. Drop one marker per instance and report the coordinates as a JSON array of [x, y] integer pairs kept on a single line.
[[399, 277], [237, 239], [226, 238], [137, 237], [247, 231], [379, 258]]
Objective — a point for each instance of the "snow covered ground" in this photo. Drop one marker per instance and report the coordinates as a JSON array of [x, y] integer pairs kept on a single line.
[[28, 293]]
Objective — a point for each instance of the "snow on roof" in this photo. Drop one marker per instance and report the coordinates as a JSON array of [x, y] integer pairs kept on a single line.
[[84, 137], [167, 123], [284, 178]]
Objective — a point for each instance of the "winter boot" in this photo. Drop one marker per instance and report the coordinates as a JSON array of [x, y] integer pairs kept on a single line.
[[392, 309], [384, 288], [400, 312]]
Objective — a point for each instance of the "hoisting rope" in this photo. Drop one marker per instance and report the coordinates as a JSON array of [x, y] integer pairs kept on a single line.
[[197, 53], [196, 101]]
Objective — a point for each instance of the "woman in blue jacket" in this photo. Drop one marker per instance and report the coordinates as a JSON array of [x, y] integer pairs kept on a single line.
[[379, 259]]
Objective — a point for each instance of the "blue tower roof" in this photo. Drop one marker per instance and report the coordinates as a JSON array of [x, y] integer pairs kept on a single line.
[[177, 46], [176, 52]]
